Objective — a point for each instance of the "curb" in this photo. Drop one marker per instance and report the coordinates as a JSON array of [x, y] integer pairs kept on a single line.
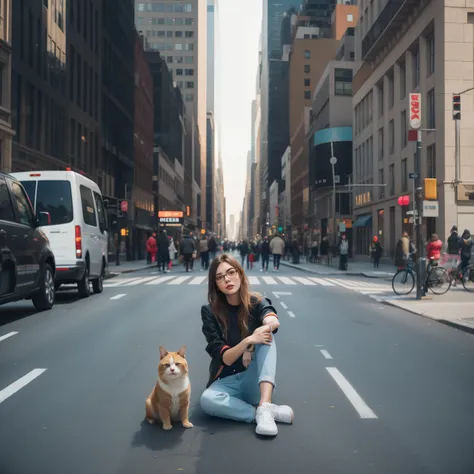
[[348, 273], [451, 324], [111, 274]]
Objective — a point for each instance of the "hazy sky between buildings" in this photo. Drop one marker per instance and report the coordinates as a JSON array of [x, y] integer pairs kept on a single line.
[[239, 30]]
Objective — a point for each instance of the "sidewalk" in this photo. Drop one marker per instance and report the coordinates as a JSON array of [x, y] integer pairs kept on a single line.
[[454, 308], [366, 269], [126, 267]]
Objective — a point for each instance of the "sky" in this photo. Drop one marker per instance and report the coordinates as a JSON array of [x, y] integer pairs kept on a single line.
[[239, 30]]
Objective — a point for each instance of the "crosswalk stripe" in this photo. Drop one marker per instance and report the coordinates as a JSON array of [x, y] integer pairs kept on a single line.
[[356, 283], [286, 280], [160, 280], [179, 280], [140, 281], [253, 280], [119, 282], [197, 280], [305, 281], [7, 392], [269, 281], [321, 282], [339, 283]]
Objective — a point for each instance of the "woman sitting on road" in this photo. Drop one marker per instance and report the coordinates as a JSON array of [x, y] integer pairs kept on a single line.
[[236, 322]]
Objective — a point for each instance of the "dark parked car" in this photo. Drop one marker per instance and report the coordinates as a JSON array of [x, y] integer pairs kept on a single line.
[[27, 265]]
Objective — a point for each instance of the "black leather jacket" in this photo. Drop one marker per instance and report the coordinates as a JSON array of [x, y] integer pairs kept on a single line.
[[214, 333]]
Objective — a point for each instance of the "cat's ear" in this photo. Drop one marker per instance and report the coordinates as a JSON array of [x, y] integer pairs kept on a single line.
[[163, 352], [182, 352]]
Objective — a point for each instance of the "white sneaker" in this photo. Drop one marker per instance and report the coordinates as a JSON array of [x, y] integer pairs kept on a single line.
[[281, 413], [266, 425]]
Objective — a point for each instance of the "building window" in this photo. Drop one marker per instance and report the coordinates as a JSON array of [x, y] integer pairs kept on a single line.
[[416, 67], [391, 136], [391, 91], [381, 99], [189, 34], [188, 8], [431, 161], [178, 47], [343, 81], [189, 59], [307, 82], [350, 17], [430, 55], [307, 54], [190, 84], [307, 68], [381, 181], [189, 21], [189, 47], [381, 140], [403, 81], [188, 97], [141, 7], [179, 72], [189, 72], [431, 109], [403, 128], [178, 59], [391, 177], [404, 175], [169, 59], [307, 95]]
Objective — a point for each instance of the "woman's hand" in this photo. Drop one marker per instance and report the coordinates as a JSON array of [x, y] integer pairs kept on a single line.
[[246, 358], [265, 328], [260, 338]]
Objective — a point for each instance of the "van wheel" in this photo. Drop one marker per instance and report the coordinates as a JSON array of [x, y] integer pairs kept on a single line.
[[98, 284], [84, 284], [44, 298]]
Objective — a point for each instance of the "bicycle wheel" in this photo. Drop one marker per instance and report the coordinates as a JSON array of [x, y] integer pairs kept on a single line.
[[468, 278], [403, 282], [439, 281]]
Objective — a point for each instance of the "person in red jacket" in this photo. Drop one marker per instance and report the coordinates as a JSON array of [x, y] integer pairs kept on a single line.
[[151, 247], [433, 248]]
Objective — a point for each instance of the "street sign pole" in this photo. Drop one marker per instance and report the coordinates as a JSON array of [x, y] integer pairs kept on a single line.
[[415, 124]]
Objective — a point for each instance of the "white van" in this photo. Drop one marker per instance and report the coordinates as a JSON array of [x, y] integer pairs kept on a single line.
[[78, 226]]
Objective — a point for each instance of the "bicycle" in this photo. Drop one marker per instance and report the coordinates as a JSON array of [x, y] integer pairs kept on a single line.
[[466, 276], [436, 277]]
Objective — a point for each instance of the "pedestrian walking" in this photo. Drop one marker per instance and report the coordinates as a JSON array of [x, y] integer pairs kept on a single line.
[[187, 250], [376, 251], [466, 250], [343, 252], [244, 251], [151, 247], [172, 252], [239, 328], [265, 254], [212, 247], [277, 248], [163, 252], [204, 250]]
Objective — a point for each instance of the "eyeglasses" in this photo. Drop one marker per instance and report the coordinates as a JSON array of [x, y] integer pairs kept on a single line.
[[231, 274]]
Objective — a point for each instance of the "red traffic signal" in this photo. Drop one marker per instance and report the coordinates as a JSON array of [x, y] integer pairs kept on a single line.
[[404, 201]]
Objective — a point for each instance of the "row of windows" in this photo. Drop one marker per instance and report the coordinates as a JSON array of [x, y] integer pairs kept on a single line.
[[184, 72], [363, 113], [180, 59], [165, 7], [168, 180], [170, 21], [85, 17], [154, 46], [185, 84], [343, 82], [169, 34]]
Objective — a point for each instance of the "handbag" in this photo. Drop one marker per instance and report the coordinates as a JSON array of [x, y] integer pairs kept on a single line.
[[194, 254]]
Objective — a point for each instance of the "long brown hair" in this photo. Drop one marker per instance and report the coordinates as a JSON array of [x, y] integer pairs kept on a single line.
[[218, 300]]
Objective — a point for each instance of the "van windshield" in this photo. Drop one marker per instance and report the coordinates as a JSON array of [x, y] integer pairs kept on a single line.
[[54, 197]]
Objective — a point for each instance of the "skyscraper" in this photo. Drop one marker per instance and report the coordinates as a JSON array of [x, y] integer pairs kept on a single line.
[[178, 31]]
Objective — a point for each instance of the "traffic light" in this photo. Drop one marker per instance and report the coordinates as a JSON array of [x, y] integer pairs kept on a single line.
[[456, 107], [431, 189], [404, 200]]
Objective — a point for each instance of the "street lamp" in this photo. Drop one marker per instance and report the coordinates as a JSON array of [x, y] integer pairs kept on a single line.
[[333, 162]]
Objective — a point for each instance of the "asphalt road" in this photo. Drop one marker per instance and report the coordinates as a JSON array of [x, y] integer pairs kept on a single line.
[[374, 389]]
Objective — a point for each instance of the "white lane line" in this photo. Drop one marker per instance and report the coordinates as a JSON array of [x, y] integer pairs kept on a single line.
[[318, 345], [159, 280], [305, 281], [19, 384], [358, 403], [321, 282], [325, 354], [117, 297], [287, 280], [139, 281], [6, 336], [197, 280], [284, 305], [278, 293], [253, 280], [291, 314], [119, 282], [340, 283], [179, 280], [269, 280]]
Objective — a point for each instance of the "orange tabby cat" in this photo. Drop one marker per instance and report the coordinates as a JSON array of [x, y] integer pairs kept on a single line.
[[169, 399]]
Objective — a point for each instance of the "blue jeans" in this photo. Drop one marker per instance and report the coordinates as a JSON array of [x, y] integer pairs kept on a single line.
[[236, 396]]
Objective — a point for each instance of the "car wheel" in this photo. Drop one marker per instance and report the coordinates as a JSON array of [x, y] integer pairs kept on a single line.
[[98, 284], [44, 298], [84, 284]]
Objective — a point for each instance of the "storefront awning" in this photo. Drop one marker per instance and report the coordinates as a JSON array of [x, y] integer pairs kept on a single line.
[[363, 221]]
